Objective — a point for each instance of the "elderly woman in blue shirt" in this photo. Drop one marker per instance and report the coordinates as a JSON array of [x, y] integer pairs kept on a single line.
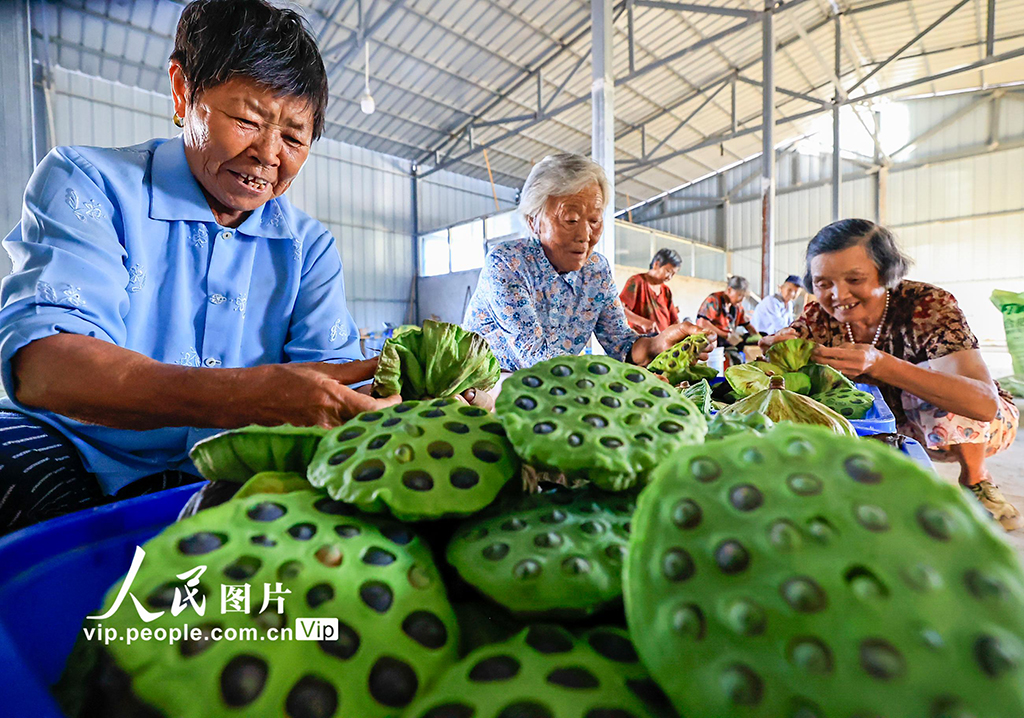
[[545, 295], [168, 290]]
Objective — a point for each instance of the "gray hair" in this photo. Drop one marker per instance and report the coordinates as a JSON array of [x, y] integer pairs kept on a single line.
[[879, 242], [740, 284], [556, 176]]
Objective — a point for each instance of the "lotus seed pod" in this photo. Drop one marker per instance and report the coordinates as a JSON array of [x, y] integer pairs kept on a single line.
[[724, 425], [821, 575], [679, 363], [546, 672], [823, 378], [418, 460], [797, 382], [396, 630], [591, 417], [700, 395], [239, 454], [791, 354], [746, 379], [556, 553], [848, 401], [778, 404]]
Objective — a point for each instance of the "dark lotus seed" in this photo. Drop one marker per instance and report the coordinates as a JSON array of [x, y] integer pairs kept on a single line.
[[746, 497], [644, 437], [872, 518], [345, 645], [332, 507], [347, 530], [804, 594], [302, 532], [811, 655], [650, 694], [311, 697], [548, 639], [582, 400], [557, 391], [526, 569], [613, 647], [189, 647], [377, 596], [598, 422], [426, 629], [608, 713], [243, 568], [496, 551], [378, 557], [204, 541], [372, 416], [451, 710], [575, 439], [456, 428], [732, 557], [687, 514], [432, 414], [242, 680], [289, 570], [369, 471], [599, 369], [677, 565], [561, 370], [341, 457], [611, 402], [417, 481], [379, 441], [319, 595], [558, 410], [525, 709], [495, 668], [689, 620], [441, 450], [544, 427], [585, 384], [556, 516], [464, 478], [532, 381], [353, 433], [659, 392], [611, 442], [705, 469], [616, 552], [983, 587], [548, 540], [804, 484], [593, 528], [493, 428], [393, 421], [994, 656], [266, 511], [392, 682], [396, 533], [784, 535], [635, 377], [263, 540], [670, 427], [746, 618], [573, 677], [487, 452], [678, 410], [576, 566], [862, 469], [526, 403], [617, 387], [881, 660], [474, 411], [161, 597], [642, 404], [936, 523], [513, 524], [406, 406], [742, 685]]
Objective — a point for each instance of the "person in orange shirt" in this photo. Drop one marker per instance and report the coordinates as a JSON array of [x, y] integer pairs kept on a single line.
[[646, 297]]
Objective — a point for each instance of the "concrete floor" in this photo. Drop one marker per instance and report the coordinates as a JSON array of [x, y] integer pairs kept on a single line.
[[1007, 470]]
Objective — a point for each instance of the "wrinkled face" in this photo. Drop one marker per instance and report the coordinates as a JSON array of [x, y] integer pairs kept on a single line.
[[788, 291], [569, 227], [662, 271], [846, 284], [243, 144], [736, 296]]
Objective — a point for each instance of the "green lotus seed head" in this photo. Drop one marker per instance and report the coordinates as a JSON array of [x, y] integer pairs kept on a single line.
[[724, 425], [239, 454], [558, 553], [591, 417], [418, 460], [396, 630], [845, 581], [546, 672], [679, 363], [850, 402]]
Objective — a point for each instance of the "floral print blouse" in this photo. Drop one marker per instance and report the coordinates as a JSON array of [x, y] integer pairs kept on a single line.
[[529, 312]]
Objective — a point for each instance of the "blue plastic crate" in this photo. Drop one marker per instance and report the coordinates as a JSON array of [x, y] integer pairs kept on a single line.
[[55, 573]]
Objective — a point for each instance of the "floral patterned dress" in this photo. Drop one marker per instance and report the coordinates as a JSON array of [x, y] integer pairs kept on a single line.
[[649, 301], [924, 323]]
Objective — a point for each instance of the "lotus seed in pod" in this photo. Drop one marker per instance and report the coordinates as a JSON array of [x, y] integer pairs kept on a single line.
[[397, 631], [803, 574], [596, 418], [546, 672], [418, 460], [556, 553]]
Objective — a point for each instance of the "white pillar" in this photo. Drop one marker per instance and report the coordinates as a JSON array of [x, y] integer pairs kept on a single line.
[[768, 154], [602, 101]]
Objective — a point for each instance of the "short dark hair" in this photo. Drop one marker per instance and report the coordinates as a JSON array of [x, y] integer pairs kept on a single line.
[[220, 39], [879, 242], [667, 256]]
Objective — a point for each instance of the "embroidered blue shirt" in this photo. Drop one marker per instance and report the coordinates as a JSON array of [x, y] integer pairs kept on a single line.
[[529, 312], [121, 245]]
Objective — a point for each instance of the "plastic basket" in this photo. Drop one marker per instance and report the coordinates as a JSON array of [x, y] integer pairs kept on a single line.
[[54, 573]]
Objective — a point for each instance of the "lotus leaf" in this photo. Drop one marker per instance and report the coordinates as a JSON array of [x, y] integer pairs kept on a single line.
[[746, 379], [797, 382], [239, 454], [700, 395], [779, 404], [791, 354], [823, 378]]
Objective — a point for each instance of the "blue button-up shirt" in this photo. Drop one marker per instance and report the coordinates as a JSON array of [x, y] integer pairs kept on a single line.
[[529, 312], [121, 245]]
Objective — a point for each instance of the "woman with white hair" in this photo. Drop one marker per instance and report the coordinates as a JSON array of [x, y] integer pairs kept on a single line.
[[543, 296]]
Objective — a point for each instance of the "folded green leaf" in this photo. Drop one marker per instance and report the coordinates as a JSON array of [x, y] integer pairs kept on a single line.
[[824, 378], [791, 354], [239, 454]]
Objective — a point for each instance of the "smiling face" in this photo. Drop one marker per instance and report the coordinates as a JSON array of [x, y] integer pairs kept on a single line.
[[569, 226], [243, 144], [788, 290], [847, 285]]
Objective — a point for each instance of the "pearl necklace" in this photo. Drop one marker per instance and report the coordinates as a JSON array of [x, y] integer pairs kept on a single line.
[[878, 331]]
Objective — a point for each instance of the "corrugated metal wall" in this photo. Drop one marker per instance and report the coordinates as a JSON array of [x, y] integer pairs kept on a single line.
[[446, 198], [364, 198]]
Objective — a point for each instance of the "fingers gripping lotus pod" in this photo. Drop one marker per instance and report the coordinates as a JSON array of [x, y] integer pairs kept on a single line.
[[791, 354], [679, 363], [803, 574], [778, 404]]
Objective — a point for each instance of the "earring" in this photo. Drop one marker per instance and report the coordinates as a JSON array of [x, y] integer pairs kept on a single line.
[[178, 122]]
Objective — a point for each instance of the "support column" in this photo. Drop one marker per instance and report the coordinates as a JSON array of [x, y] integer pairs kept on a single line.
[[602, 102], [837, 162], [415, 290], [768, 153]]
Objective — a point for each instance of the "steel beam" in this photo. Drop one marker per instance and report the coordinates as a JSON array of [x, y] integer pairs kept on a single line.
[[768, 154], [943, 124], [631, 42], [686, 121], [990, 36], [691, 7], [602, 105], [358, 38], [558, 91], [784, 91], [837, 160], [993, 120]]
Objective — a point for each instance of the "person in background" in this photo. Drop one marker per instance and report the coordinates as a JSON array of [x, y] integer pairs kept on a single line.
[[545, 295], [775, 313], [913, 341], [647, 299], [722, 313]]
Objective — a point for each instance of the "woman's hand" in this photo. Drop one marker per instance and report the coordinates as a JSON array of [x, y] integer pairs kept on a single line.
[[646, 348], [777, 337], [645, 326], [852, 360]]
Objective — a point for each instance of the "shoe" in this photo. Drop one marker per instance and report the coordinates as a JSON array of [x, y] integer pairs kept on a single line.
[[996, 504]]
